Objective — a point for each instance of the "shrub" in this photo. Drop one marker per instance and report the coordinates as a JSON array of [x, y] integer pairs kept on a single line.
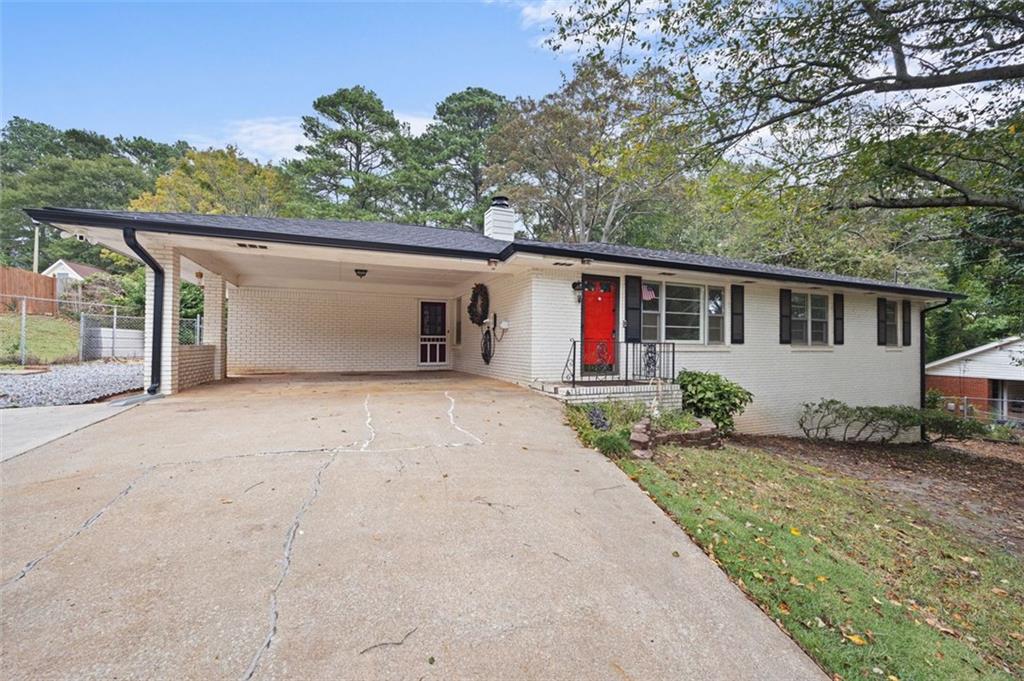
[[709, 395], [613, 443], [933, 399], [942, 426], [833, 419], [1003, 432]]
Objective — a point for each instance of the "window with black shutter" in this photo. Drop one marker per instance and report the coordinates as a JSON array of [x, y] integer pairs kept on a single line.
[[736, 309], [634, 323], [785, 316], [906, 322], [838, 316]]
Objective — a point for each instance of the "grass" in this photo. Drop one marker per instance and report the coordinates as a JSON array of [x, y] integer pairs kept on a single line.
[[870, 588], [49, 339]]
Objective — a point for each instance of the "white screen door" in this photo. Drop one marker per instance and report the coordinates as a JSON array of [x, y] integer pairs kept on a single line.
[[433, 333]]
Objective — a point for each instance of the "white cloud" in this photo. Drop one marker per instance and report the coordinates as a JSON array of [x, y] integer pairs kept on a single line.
[[417, 124], [263, 139], [274, 138]]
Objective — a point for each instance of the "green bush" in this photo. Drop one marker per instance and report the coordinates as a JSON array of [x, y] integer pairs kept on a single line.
[[941, 426], [833, 419], [613, 443], [709, 395], [933, 398], [1003, 432]]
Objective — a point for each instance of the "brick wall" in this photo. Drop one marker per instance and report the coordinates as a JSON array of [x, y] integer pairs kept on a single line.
[[195, 365], [279, 330], [959, 386], [782, 377], [510, 298]]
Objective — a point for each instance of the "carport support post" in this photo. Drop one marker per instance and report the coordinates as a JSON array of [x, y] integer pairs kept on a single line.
[[170, 261], [214, 329]]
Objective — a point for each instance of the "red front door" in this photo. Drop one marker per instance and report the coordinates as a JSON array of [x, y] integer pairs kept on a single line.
[[600, 323]]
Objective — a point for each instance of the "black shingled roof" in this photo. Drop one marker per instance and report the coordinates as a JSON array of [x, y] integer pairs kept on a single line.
[[419, 239]]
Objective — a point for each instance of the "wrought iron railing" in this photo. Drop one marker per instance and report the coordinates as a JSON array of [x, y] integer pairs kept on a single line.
[[610, 361]]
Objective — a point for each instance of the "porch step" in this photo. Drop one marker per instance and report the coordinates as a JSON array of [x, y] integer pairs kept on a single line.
[[667, 393]]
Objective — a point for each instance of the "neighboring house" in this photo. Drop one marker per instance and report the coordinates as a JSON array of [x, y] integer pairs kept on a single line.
[[67, 271], [583, 321], [989, 378]]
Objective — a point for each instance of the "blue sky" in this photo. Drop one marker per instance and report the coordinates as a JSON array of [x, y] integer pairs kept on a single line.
[[244, 73]]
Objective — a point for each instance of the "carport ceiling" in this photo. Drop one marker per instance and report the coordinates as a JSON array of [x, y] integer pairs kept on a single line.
[[264, 267]]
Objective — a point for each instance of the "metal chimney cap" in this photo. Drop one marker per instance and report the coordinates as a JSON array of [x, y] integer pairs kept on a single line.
[[500, 202]]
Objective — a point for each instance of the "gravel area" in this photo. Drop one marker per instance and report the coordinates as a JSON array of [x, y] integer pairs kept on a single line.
[[69, 384]]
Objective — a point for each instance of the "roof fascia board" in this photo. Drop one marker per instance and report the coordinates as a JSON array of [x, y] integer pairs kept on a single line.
[[994, 345], [750, 274], [56, 215], [53, 215]]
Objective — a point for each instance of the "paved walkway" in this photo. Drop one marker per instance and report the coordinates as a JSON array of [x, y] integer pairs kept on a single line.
[[436, 527], [22, 429]]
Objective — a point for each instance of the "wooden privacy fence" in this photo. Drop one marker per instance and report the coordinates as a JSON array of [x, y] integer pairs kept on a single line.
[[40, 292]]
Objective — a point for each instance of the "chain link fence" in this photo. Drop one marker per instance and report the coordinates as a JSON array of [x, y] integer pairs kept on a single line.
[[39, 331]]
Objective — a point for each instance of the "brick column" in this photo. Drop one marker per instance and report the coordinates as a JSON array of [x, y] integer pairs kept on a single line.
[[171, 262], [215, 330]]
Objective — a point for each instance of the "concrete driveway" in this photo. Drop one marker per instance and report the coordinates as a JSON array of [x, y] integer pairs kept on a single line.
[[324, 527]]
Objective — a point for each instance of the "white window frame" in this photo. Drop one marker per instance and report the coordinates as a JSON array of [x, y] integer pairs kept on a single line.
[[703, 335], [829, 331], [897, 321]]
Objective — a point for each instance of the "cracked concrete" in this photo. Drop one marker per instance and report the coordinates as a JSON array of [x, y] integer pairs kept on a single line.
[[459, 509]]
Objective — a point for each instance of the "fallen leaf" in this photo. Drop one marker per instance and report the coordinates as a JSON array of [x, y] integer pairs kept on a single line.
[[999, 592], [856, 639], [822, 578], [794, 531], [784, 608]]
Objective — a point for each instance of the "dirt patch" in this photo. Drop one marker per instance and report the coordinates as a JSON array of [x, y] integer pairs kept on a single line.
[[976, 487]]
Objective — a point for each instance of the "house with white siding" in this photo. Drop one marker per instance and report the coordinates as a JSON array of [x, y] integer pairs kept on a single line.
[[575, 321]]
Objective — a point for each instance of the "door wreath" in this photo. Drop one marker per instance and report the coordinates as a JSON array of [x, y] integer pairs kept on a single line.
[[479, 305]]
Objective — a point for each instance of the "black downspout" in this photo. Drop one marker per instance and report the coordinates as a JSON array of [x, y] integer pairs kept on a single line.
[[925, 311], [158, 306]]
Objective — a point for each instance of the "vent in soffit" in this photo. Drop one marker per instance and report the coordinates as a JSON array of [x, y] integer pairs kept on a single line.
[[564, 264], [259, 246]]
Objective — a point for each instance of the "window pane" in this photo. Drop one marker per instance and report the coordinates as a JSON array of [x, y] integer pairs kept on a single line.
[[891, 325], [716, 329], [819, 308], [798, 320], [819, 333], [716, 302], [682, 312], [678, 333], [651, 293]]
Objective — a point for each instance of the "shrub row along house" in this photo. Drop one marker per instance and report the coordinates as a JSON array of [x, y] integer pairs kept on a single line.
[[580, 321]]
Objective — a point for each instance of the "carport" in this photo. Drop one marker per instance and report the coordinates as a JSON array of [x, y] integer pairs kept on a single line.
[[292, 295]]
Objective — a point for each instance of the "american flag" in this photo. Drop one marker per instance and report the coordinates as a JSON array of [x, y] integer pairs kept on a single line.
[[648, 293]]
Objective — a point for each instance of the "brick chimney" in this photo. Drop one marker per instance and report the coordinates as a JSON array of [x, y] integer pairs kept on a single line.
[[500, 220]]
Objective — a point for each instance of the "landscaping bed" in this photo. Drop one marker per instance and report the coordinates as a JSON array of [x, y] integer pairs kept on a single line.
[[70, 384]]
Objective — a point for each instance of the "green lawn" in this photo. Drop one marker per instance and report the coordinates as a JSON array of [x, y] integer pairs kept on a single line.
[[49, 339], [870, 588]]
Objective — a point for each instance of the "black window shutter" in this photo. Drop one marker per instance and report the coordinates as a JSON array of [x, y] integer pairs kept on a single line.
[[906, 322], [881, 321], [736, 305], [838, 315], [634, 309], [785, 315]]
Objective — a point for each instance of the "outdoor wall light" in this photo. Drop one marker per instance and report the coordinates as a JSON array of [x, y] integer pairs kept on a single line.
[[577, 286]]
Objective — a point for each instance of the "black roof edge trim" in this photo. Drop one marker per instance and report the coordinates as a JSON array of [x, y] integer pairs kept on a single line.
[[75, 218], [752, 274]]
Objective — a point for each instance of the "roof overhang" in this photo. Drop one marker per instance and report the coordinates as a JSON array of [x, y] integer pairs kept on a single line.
[[71, 219]]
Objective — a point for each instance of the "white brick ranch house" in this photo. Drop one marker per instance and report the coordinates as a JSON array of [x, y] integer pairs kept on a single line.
[[576, 320]]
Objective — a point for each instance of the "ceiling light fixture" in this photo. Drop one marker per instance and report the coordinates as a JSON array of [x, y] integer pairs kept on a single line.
[[361, 272]]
